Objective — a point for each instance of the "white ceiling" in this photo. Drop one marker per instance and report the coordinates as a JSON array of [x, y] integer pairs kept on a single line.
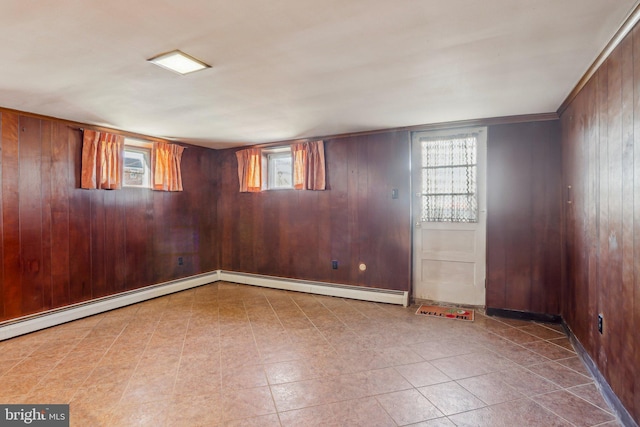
[[285, 69]]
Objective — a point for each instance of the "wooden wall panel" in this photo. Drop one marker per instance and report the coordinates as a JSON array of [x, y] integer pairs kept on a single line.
[[79, 226], [523, 217], [60, 187], [45, 175], [296, 234], [2, 287], [601, 148], [61, 245], [636, 222], [30, 193], [12, 283]]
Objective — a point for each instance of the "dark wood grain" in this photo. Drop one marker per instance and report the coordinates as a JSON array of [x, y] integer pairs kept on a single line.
[[45, 179], [12, 285], [61, 244], [636, 220], [338, 173], [30, 211], [60, 188], [601, 148], [626, 278], [612, 234], [79, 226], [98, 233], [523, 221], [296, 234], [2, 286]]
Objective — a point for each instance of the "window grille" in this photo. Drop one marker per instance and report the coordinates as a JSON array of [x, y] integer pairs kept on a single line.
[[449, 178]]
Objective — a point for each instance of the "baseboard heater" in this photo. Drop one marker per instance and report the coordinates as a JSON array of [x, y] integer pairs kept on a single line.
[[24, 325], [320, 288]]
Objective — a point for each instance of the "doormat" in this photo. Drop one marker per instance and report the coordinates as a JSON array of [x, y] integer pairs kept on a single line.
[[446, 312]]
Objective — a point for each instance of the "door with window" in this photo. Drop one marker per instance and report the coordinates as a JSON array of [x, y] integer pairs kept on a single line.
[[449, 181]]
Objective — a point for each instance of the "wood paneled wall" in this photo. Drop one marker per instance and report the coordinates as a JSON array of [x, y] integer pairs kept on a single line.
[[601, 163], [523, 217], [60, 244], [296, 234]]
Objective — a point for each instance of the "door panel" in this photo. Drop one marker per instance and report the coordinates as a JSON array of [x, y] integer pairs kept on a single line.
[[449, 257]]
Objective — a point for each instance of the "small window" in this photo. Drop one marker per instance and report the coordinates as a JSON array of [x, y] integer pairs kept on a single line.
[[137, 164], [449, 182], [278, 168]]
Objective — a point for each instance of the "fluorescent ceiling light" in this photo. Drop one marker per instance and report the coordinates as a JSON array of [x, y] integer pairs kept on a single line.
[[179, 62]]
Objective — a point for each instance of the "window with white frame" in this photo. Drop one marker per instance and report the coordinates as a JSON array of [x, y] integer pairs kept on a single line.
[[137, 163], [277, 166]]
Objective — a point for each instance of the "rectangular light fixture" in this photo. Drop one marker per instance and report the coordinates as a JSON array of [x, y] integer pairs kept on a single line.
[[179, 62]]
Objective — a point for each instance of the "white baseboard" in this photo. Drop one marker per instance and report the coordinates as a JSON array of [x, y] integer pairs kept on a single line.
[[36, 322], [320, 288]]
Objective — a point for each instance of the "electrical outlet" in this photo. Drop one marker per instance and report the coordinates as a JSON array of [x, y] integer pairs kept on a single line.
[[180, 260], [600, 322], [334, 264]]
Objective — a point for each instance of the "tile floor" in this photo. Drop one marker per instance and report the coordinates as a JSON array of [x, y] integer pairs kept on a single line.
[[234, 355]]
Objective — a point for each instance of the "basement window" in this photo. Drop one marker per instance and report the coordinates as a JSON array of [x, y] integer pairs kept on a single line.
[[277, 167], [137, 163]]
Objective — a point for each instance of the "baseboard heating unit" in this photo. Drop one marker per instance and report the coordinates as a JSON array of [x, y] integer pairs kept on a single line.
[[24, 325]]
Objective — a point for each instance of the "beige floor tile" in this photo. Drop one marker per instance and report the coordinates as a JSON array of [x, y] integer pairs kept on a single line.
[[562, 342], [437, 422], [422, 374], [542, 331], [408, 407], [247, 403], [526, 382], [243, 377], [366, 411], [194, 410], [270, 420], [549, 350], [517, 336], [145, 414], [432, 350], [474, 364], [451, 398], [574, 409], [591, 394], [378, 381], [314, 416], [522, 412], [490, 388], [576, 364], [232, 355], [560, 374]]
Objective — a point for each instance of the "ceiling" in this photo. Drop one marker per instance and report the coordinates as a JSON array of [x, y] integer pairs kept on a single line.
[[287, 69]]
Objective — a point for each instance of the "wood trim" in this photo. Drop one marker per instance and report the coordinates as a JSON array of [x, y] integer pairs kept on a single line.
[[489, 121], [620, 411], [624, 30]]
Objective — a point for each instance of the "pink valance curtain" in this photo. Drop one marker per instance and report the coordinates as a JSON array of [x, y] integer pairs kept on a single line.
[[250, 170], [102, 160], [308, 166], [167, 175]]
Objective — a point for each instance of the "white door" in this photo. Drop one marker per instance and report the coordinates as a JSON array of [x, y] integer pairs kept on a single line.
[[449, 209]]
